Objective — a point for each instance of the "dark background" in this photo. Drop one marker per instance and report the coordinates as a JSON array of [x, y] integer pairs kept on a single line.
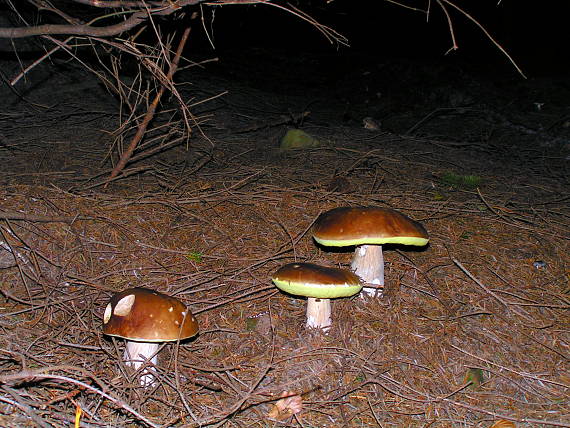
[[534, 33]]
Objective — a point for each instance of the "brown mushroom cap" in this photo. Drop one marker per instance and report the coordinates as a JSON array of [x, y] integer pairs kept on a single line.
[[347, 226], [146, 315]]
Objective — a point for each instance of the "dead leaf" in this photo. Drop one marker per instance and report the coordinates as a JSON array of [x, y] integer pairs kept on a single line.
[[502, 423], [285, 407]]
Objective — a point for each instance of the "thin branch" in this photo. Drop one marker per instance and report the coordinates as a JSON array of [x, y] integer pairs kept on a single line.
[[497, 45], [29, 376], [151, 110], [135, 19]]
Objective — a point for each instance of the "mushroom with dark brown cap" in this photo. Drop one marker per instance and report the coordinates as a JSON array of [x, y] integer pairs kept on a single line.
[[368, 228], [319, 284], [146, 318]]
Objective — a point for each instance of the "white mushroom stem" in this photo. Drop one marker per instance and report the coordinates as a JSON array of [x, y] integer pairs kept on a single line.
[[319, 313], [136, 353], [368, 264]]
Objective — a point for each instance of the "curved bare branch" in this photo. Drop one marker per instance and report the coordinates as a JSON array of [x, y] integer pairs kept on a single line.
[[136, 18]]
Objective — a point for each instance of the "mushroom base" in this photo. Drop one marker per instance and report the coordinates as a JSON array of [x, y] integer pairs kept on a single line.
[[319, 313], [368, 264], [137, 353]]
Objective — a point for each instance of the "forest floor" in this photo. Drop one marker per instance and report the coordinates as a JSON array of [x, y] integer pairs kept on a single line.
[[472, 330]]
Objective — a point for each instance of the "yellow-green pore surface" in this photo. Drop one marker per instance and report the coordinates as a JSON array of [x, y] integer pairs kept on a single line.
[[310, 280], [347, 226]]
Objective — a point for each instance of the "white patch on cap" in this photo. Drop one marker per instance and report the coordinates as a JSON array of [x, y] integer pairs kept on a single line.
[[170, 309], [107, 315], [176, 322], [123, 307], [183, 313]]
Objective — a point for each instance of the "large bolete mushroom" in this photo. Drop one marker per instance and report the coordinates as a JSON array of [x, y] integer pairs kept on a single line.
[[368, 228], [319, 284], [146, 318]]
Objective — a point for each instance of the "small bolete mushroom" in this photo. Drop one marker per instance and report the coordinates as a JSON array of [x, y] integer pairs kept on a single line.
[[319, 284], [368, 228], [146, 318]]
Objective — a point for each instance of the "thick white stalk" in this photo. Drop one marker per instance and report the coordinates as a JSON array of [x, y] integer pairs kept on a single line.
[[319, 313], [135, 355], [368, 264]]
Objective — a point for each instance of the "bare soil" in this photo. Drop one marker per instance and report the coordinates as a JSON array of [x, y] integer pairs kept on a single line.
[[471, 330]]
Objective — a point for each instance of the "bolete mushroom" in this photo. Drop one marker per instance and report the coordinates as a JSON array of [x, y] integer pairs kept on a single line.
[[146, 318], [319, 284], [368, 228]]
